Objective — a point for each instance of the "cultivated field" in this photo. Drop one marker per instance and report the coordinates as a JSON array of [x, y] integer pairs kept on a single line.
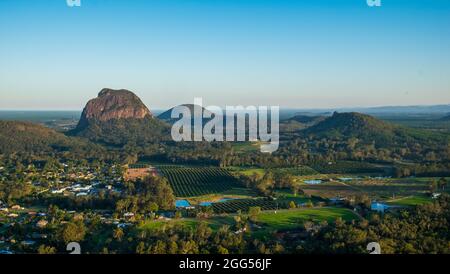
[[191, 182], [244, 205], [375, 188]]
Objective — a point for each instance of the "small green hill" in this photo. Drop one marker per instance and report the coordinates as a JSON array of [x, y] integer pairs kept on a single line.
[[299, 122], [369, 129], [167, 115], [25, 137]]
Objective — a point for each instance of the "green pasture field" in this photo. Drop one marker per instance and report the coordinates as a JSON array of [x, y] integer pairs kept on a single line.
[[293, 218], [411, 201], [156, 224], [268, 220]]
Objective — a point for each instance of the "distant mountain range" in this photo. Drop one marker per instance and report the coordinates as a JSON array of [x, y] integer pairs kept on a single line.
[[305, 119], [434, 109], [383, 110], [167, 115], [118, 117], [285, 113]]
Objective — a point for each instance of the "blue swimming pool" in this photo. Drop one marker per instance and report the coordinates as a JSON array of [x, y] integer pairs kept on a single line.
[[182, 203], [376, 206]]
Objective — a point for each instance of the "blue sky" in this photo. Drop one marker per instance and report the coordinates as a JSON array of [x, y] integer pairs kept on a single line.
[[308, 54]]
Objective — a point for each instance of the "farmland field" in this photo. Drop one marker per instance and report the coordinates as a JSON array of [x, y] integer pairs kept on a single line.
[[392, 187], [349, 167], [244, 205], [331, 189], [191, 182], [374, 188]]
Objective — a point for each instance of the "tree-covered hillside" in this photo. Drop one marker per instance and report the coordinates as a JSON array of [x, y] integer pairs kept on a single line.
[[31, 139]]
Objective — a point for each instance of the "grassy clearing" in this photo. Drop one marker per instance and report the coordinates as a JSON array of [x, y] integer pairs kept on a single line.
[[268, 220], [286, 196], [156, 224], [248, 171], [291, 219], [410, 201], [215, 222], [244, 147]]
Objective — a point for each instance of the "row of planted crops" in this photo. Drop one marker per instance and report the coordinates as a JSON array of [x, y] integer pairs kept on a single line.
[[191, 182]]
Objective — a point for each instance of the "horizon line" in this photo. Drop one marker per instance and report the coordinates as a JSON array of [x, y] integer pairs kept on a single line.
[[281, 107]]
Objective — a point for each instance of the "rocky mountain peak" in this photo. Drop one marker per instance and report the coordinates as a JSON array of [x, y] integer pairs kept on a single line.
[[114, 104]]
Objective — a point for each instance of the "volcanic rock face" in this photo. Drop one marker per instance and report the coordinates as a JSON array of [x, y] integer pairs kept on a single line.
[[114, 104]]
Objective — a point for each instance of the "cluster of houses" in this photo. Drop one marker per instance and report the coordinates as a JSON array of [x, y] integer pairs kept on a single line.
[[132, 173], [67, 181], [10, 211], [83, 182], [38, 221], [16, 214], [84, 189]]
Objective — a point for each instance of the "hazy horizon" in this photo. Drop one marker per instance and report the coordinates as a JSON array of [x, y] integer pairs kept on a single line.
[[320, 54], [204, 105]]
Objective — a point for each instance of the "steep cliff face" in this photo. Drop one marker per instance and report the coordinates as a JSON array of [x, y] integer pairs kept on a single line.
[[113, 104], [118, 117]]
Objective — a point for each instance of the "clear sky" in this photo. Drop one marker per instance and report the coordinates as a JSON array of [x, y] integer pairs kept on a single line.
[[306, 54]]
